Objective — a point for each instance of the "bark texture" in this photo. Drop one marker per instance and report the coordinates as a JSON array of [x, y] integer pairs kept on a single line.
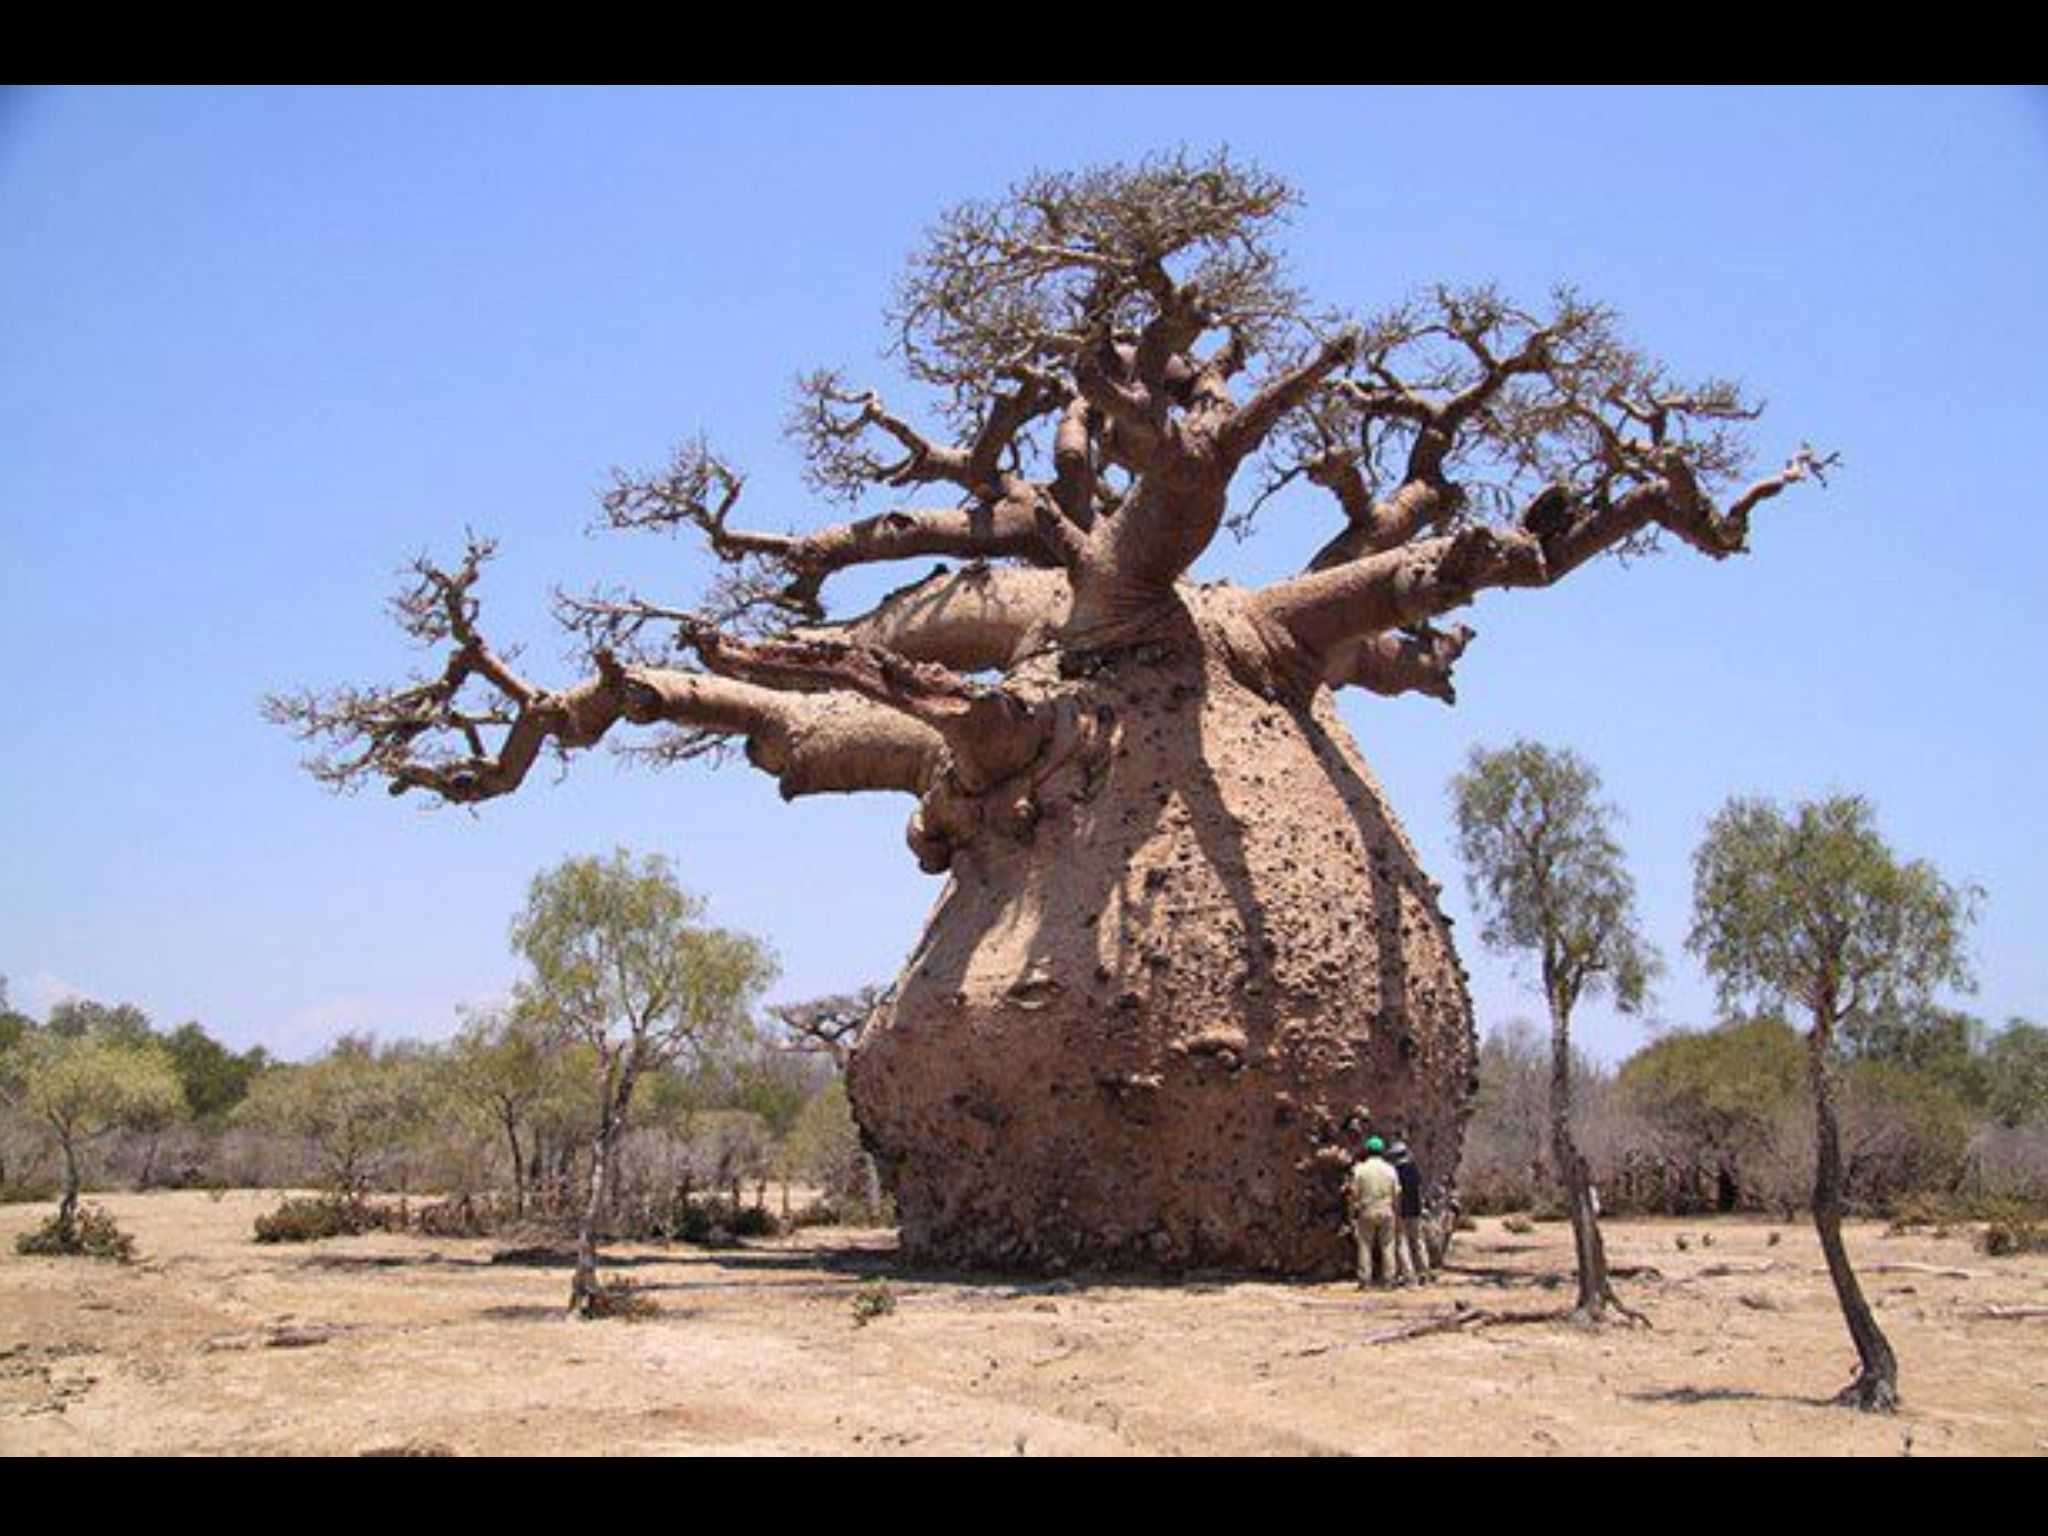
[[1131, 1037]]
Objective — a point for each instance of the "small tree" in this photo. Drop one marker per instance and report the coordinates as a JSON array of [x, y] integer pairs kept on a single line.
[[1718, 1101], [2016, 1073], [500, 1067], [1547, 875], [353, 1109], [1813, 910], [620, 963], [79, 1088], [215, 1079]]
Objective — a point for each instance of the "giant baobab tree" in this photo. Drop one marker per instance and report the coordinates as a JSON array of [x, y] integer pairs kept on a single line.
[[1183, 937]]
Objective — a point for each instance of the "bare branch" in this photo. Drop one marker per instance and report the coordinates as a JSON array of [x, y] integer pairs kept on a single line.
[[827, 1025], [1558, 533], [1250, 425], [428, 735]]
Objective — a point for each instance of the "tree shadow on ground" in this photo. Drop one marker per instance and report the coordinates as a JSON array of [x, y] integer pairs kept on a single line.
[[1487, 1274], [534, 1312], [357, 1261], [1693, 1396], [834, 1265]]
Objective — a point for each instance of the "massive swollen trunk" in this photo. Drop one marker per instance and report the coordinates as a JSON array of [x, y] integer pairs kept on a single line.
[[1131, 1036]]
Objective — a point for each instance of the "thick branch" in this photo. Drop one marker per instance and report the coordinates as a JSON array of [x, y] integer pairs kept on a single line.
[[971, 620], [1375, 526], [992, 733], [1253, 421], [1558, 533]]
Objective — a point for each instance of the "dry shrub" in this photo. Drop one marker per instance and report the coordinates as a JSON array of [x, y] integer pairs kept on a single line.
[[309, 1221], [871, 1301], [618, 1300], [91, 1234]]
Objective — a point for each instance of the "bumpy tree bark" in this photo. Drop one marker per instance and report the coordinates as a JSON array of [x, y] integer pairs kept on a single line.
[[1182, 935]]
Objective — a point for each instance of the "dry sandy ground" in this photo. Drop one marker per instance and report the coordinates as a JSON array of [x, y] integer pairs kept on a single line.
[[214, 1345]]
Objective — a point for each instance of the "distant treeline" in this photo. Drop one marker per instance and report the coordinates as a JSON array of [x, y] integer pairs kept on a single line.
[[1935, 1105], [497, 1114]]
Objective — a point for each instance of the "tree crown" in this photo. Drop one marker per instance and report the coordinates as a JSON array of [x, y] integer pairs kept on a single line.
[[620, 960], [1117, 354], [1547, 873], [1812, 909]]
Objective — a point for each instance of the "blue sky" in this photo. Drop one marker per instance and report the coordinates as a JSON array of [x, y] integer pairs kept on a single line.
[[257, 348]]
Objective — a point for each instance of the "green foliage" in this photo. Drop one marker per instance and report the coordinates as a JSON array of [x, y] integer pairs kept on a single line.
[[76, 1088], [825, 1146], [1547, 874], [122, 1024], [619, 960], [90, 1233], [2015, 1069], [873, 1300], [214, 1078], [354, 1107], [1719, 1089], [31, 1188], [1813, 911]]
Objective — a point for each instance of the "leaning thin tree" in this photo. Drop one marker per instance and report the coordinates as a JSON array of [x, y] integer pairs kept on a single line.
[[1812, 910], [1548, 877], [1183, 936]]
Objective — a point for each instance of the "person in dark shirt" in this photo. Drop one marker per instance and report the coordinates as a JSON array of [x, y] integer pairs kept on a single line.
[[1411, 1255]]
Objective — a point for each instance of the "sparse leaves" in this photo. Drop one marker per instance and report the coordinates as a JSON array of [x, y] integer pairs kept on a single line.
[[1547, 873], [1813, 909]]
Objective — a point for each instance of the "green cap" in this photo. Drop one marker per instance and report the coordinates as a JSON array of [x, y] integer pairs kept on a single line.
[[1374, 1144]]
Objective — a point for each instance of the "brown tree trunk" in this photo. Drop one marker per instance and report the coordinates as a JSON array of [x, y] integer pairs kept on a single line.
[[1157, 985], [583, 1288], [1876, 1387], [616, 1101], [518, 1169], [1590, 1253], [67, 1207]]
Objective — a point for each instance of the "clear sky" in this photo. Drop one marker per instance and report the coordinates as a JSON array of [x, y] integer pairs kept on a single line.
[[257, 348]]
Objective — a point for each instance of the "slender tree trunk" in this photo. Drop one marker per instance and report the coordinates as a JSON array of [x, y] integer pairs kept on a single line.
[[611, 1122], [67, 1208], [583, 1288], [1876, 1387], [1591, 1254], [518, 1169]]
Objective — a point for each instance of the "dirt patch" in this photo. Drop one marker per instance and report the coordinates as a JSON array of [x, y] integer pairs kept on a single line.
[[215, 1345]]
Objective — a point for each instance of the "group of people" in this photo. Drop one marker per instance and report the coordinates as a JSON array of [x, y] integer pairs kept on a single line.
[[1384, 1199]]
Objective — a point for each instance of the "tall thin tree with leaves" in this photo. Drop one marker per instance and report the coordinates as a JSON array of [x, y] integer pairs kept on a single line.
[[1547, 874], [1812, 909], [621, 962]]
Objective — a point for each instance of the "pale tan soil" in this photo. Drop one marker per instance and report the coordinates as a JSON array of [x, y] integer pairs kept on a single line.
[[215, 1345]]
